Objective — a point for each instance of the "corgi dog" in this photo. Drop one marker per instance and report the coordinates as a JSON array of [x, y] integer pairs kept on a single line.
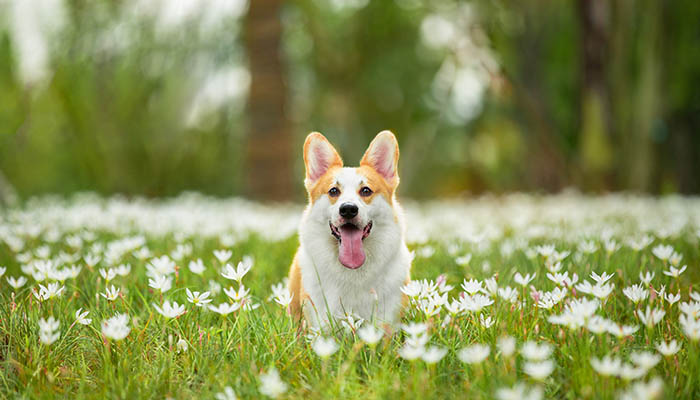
[[352, 257]]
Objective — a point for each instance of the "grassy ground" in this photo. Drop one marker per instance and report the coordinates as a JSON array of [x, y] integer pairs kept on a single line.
[[234, 350]]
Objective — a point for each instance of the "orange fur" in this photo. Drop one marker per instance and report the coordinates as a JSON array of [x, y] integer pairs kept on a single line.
[[296, 288]]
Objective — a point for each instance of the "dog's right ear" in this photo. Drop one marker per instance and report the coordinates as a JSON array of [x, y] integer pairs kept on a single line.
[[319, 157]]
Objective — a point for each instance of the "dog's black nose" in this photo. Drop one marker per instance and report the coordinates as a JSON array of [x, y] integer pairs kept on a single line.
[[348, 210]]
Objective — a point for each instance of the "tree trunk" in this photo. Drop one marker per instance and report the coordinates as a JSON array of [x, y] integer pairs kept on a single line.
[[269, 152]]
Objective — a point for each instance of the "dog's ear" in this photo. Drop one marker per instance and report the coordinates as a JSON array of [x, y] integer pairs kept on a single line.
[[383, 156], [319, 157]]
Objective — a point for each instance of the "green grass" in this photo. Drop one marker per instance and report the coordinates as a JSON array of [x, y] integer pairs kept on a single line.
[[234, 350]]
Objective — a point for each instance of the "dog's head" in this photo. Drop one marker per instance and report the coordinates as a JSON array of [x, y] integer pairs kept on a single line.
[[353, 202]]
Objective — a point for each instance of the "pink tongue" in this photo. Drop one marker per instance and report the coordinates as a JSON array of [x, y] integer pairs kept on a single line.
[[352, 255]]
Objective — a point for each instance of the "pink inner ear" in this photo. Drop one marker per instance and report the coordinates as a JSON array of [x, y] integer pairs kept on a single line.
[[320, 161], [382, 158]]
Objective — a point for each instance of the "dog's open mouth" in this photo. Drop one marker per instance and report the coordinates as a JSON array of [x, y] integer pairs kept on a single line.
[[350, 248]]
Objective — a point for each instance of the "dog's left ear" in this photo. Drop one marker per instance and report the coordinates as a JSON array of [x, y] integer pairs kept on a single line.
[[383, 156]]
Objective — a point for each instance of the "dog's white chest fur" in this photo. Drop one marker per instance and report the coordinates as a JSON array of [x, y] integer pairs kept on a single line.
[[373, 291]]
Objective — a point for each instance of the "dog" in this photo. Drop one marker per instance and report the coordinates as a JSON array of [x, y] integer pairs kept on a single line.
[[352, 258]]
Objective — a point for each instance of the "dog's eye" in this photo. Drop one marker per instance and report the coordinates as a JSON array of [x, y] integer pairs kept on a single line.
[[334, 192], [365, 191]]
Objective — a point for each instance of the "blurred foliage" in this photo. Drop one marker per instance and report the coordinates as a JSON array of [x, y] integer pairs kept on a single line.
[[483, 95]]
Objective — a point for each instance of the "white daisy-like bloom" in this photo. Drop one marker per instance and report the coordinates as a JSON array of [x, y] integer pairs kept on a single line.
[[621, 331], [597, 324], [675, 272], [650, 317], [588, 247], [271, 384], [227, 394], [646, 277], [641, 243], [414, 329], [123, 269], [108, 274], [635, 293], [523, 280], [111, 293], [603, 291], [641, 390], [324, 347], [433, 354], [663, 252], [539, 370], [237, 273], [491, 286], [16, 283], [690, 325], [223, 255], [607, 366], [49, 291], [161, 282], [237, 295], [410, 352], [506, 345], [284, 298], [630, 372], [535, 352], [672, 298], [160, 266], [411, 289], [81, 317], [197, 267], [91, 260], [464, 260], [474, 354], [225, 308], [602, 278], [2, 271], [562, 279], [611, 246], [668, 349], [520, 392], [170, 310], [369, 334], [675, 258], [48, 330], [116, 327], [645, 359], [197, 298], [545, 250], [472, 286], [508, 294], [486, 322]]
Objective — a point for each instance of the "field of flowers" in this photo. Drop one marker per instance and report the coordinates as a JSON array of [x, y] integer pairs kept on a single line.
[[515, 297]]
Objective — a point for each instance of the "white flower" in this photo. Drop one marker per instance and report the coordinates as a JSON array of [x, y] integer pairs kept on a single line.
[[225, 308], [539, 370], [227, 394], [49, 291], [160, 266], [636, 293], [433, 354], [169, 310], [110, 294], [214, 287], [487, 322], [651, 317], [519, 392], [80, 317], [411, 289], [271, 385], [691, 326], [237, 273], [602, 291], [533, 351], [117, 327], [523, 280], [123, 269], [414, 329], [369, 334], [662, 252], [472, 286], [463, 261], [284, 298], [2, 271], [198, 299], [182, 346], [563, 279], [641, 243], [675, 272], [108, 274], [621, 330], [474, 354], [16, 282], [602, 278], [608, 366], [222, 255], [324, 347], [643, 391], [477, 302], [411, 352], [630, 372], [672, 298], [237, 295], [611, 246], [508, 294], [197, 267], [646, 277], [506, 345], [161, 282], [48, 330], [668, 349], [645, 359]]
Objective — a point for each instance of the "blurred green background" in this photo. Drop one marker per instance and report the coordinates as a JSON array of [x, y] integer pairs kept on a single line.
[[154, 97]]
